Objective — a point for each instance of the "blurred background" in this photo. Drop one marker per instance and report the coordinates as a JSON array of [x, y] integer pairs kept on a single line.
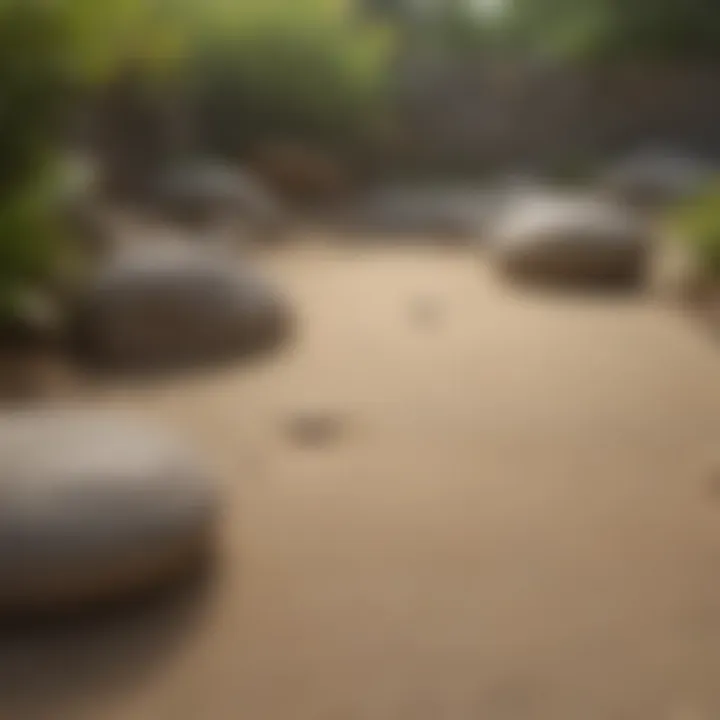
[[322, 99], [448, 493]]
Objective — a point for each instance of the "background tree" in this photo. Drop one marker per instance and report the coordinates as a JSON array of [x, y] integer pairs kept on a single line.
[[616, 30]]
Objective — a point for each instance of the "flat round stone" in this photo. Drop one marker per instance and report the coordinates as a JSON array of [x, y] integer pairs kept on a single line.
[[94, 505]]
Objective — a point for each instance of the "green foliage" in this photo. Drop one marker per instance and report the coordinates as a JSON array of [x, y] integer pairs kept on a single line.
[[33, 88], [49, 51], [29, 240], [300, 67], [698, 223], [452, 27]]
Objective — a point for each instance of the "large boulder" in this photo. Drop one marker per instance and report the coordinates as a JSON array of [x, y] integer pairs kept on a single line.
[[175, 305], [656, 177], [96, 507], [210, 194], [573, 240]]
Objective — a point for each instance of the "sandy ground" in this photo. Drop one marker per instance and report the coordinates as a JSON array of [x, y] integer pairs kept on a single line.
[[519, 519]]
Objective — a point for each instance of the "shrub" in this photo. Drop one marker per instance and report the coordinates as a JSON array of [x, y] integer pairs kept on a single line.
[[31, 252], [698, 223], [303, 70], [49, 53]]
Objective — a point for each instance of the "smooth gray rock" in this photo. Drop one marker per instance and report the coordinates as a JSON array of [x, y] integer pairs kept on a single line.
[[570, 239], [176, 305], [94, 506], [656, 177], [446, 211], [206, 194]]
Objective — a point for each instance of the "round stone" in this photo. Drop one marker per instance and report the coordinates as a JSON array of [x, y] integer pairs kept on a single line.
[[439, 211], [202, 194], [177, 305], [656, 177], [95, 506], [571, 240]]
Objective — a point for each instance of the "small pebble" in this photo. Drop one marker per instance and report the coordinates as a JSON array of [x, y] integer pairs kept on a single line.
[[315, 429], [426, 311]]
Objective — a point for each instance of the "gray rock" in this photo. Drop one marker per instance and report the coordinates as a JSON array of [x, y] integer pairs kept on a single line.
[[445, 211], [571, 239], [207, 194], [657, 177], [174, 305], [95, 506]]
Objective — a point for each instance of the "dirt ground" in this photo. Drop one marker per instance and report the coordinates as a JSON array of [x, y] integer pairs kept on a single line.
[[518, 517]]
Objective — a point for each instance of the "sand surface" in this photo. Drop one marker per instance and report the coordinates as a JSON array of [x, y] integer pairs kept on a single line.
[[518, 516]]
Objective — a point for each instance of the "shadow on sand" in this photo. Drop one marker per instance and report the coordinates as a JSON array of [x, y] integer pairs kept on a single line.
[[50, 664]]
